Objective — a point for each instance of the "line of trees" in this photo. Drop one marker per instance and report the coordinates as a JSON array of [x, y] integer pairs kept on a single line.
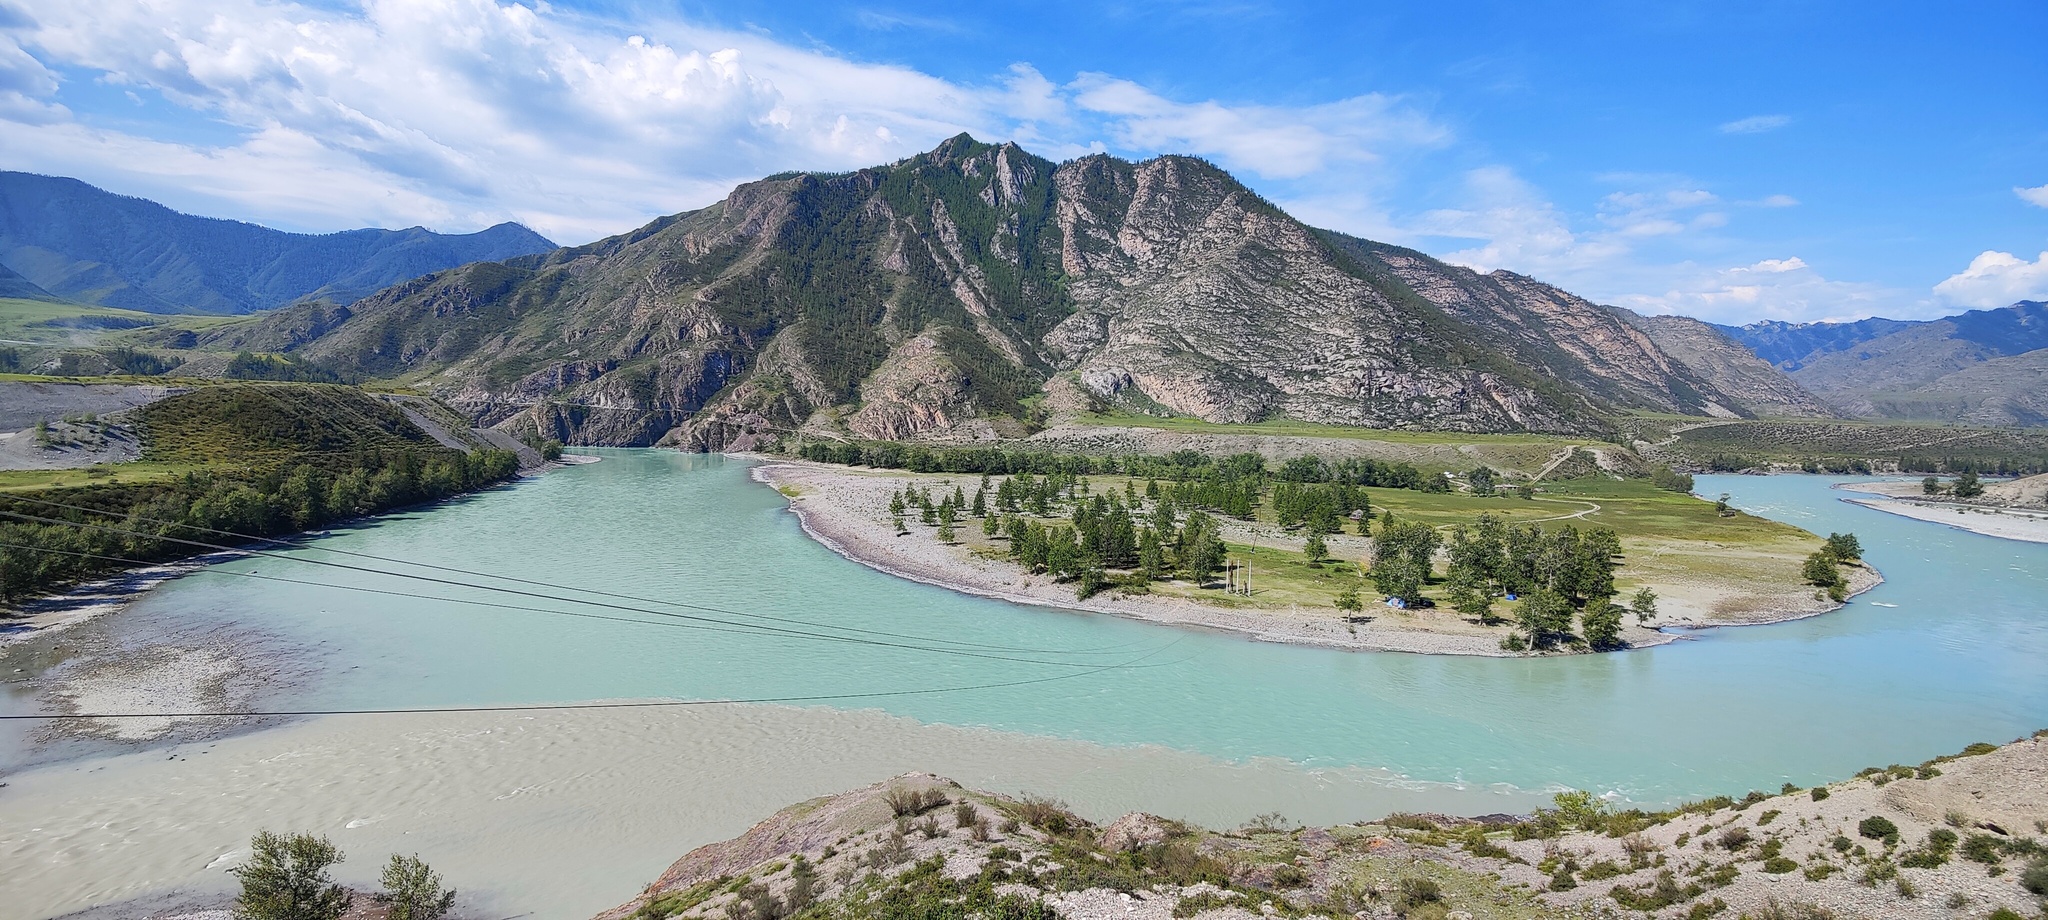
[[39, 557], [1227, 485], [1823, 569]]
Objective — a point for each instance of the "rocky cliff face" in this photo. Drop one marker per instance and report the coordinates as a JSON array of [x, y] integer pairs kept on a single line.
[[962, 292], [1755, 383]]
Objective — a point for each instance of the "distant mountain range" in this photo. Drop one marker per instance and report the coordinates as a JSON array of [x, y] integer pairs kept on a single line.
[[64, 239], [973, 291], [1984, 367]]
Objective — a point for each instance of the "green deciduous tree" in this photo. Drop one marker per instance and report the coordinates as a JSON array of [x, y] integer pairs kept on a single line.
[[412, 891], [1644, 605], [1545, 617], [1600, 625], [286, 879]]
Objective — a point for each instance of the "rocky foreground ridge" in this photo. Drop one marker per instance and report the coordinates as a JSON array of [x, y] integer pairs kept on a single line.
[[971, 292], [1957, 836]]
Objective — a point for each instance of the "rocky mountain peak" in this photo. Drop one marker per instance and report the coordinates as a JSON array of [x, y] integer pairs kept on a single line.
[[939, 296]]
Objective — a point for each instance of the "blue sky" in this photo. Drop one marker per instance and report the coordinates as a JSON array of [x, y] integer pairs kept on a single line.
[[1732, 161]]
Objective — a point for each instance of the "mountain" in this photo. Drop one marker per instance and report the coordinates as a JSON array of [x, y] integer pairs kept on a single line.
[[967, 292], [1982, 367], [1709, 352], [13, 285], [87, 245], [1790, 345]]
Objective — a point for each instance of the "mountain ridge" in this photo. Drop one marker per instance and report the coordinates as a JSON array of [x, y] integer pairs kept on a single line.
[[966, 293], [1979, 367], [84, 244]]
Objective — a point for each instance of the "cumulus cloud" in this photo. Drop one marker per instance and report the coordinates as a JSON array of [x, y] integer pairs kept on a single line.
[[459, 113], [1777, 266], [1755, 124], [1783, 289], [1263, 140], [1996, 279], [2036, 196]]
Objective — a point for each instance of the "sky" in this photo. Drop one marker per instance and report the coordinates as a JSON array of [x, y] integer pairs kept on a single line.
[[1733, 161]]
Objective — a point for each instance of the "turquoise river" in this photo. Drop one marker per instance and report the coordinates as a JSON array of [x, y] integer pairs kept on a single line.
[[1952, 649]]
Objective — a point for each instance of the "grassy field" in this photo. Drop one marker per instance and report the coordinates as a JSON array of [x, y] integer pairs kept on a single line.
[[1430, 451], [1670, 541], [1291, 428], [1789, 441], [69, 323], [117, 473]]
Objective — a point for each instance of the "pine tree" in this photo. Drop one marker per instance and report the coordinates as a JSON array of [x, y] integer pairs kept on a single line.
[[1316, 550]]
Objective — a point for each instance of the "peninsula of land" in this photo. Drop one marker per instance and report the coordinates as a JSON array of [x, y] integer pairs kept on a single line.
[[1749, 578]]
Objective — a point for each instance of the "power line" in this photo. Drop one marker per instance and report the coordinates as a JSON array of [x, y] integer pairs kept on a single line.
[[555, 707], [561, 587], [772, 630]]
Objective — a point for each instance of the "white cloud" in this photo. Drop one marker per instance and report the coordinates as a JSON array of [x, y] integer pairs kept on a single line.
[[1996, 279], [459, 113], [1779, 201], [2036, 196], [1267, 141], [1784, 289], [1755, 124], [1776, 266], [1519, 228]]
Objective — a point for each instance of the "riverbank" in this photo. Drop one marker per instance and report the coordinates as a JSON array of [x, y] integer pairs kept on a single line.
[[1950, 838], [562, 814], [96, 598], [847, 511], [2006, 523]]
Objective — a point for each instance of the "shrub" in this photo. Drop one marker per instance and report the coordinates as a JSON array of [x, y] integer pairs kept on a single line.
[[1876, 828], [2035, 879], [1779, 865], [286, 879], [1415, 892], [1604, 869], [1409, 822], [907, 803], [1819, 793], [1734, 838], [413, 891], [1289, 876], [964, 815], [1981, 848], [1049, 815]]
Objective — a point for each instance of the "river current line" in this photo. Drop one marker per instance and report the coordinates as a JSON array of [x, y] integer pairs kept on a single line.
[[761, 629], [524, 581]]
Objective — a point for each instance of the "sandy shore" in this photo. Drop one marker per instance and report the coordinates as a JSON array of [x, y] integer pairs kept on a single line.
[[96, 598], [2008, 523], [847, 511], [2022, 524]]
